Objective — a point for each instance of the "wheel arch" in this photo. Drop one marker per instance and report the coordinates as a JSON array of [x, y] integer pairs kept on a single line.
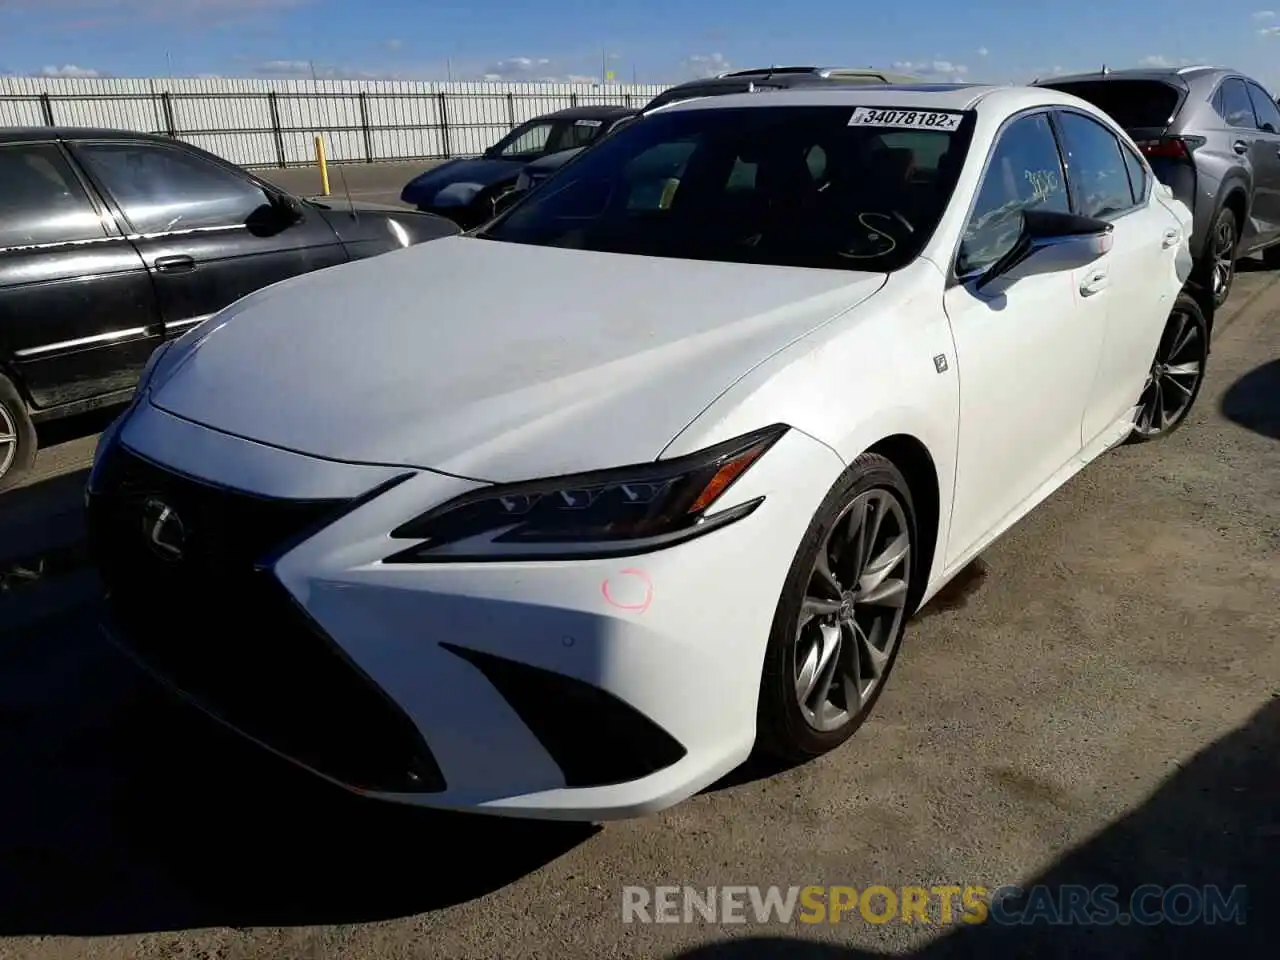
[[910, 455]]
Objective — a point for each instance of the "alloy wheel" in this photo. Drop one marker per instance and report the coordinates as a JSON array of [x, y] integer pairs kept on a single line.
[[8, 440], [852, 612], [1174, 378], [1224, 259]]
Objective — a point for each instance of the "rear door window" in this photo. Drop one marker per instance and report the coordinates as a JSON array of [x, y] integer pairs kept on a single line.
[[1265, 109], [41, 201], [1233, 103], [1132, 104]]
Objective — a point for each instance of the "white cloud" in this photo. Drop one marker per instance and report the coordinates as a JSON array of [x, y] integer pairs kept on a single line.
[[1265, 15], [983, 51], [707, 64], [1269, 31], [938, 69], [69, 70], [395, 44], [1156, 60], [305, 69], [517, 69]]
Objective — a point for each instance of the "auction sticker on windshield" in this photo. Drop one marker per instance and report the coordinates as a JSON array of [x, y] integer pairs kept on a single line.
[[916, 119]]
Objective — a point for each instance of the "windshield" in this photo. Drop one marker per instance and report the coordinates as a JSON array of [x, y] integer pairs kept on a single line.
[[537, 138], [792, 186]]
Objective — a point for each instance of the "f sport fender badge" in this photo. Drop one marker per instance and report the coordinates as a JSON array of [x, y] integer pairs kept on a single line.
[[940, 363]]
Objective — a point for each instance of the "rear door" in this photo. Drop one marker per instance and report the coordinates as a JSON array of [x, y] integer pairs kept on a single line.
[[206, 229], [1265, 156], [1131, 289], [78, 317]]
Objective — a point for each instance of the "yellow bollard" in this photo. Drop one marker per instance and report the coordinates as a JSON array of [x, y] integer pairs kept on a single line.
[[324, 167]]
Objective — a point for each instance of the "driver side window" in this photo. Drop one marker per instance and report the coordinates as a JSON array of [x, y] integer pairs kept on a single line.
[[1025, 173]]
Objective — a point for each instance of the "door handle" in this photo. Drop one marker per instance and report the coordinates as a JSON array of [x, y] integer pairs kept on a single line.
[[1240, 146], [179, 264], [1094, 282], [1171, 237]]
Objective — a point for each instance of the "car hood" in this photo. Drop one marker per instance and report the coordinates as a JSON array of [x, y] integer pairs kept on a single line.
[[493, 361], [553, 161], [479, 171]]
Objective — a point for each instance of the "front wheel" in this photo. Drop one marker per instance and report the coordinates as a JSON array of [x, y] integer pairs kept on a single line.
[[17, 436], [1176, 375], [840, 618]]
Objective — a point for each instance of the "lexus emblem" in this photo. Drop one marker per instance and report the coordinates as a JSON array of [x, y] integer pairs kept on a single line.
[[163, 529]]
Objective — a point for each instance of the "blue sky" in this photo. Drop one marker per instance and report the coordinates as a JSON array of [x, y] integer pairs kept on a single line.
[[652, 41]]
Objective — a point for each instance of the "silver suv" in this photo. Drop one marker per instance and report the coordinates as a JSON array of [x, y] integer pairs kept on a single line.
[[1212, 135]]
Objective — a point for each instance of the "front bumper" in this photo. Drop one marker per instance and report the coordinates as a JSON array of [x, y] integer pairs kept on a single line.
[[591, 690]]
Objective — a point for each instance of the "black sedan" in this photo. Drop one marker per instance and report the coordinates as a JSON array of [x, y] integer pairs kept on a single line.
[[466, 190], [112, 242]]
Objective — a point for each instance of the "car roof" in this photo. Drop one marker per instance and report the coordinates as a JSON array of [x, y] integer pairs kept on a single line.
[[41, 134], [938, 96], [1139, 73], [591, 111]]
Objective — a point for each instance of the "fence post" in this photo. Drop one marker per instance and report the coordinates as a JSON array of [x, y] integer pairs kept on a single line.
[[46, 108], [166, 105], [364, 127], [274, 109], [511, 109], [573, 99], [444, 123]]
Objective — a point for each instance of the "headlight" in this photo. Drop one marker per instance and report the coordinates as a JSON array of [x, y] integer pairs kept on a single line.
[[604, 513]]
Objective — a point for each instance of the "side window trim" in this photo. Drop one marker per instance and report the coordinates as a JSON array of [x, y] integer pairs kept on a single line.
[[1120, 147], [954, 278]]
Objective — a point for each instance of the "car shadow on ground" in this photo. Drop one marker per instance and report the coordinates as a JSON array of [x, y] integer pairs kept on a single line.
[[1253, 401], [124, 811], [1216, 821]]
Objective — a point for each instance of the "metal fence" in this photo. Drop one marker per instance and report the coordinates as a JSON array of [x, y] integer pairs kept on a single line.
[[272, 123]]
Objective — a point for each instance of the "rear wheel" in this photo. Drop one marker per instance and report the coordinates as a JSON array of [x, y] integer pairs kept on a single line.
[[17, 436], [1218, 265], [839, 622], [1176, 374]]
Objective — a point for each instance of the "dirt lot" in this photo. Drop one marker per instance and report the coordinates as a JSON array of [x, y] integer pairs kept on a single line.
[[1098, 702]]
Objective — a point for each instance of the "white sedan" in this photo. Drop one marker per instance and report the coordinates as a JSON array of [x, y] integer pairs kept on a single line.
[[564, 517]]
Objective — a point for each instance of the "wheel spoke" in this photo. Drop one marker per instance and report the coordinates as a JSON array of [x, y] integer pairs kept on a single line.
[[1191, 369], [7, 438], [814, 680], [876, 659], [1177, 338], [812, 607], [883, 564], [822, 570], [1183, 389]]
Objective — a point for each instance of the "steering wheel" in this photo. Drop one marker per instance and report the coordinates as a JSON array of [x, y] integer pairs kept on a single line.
[[878, 235]]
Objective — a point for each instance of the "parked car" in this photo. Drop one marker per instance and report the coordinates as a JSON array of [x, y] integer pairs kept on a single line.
[[666, 460], [774, 78], [113, 242], [466, 189], [1212, 135], [539, 170]]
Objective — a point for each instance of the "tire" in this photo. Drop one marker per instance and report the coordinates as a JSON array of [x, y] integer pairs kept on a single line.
[[17, 436], [1217, 269], [786, 730], [1184, 344]]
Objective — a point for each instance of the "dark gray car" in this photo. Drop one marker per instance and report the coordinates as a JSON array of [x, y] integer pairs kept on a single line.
[[1212, 135]]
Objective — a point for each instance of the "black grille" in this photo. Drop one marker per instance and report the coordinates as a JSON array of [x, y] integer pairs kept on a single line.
[[222, 628]]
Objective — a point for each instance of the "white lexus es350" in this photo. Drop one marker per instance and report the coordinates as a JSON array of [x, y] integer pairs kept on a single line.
[[563, 517]]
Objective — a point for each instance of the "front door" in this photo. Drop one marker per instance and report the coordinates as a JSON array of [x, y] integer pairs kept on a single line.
[[1026, 351], [78, 316], [205, 229]]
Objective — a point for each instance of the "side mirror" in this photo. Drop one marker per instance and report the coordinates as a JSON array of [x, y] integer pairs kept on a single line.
[[288, 207], [1054, 241], [508, 200]]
